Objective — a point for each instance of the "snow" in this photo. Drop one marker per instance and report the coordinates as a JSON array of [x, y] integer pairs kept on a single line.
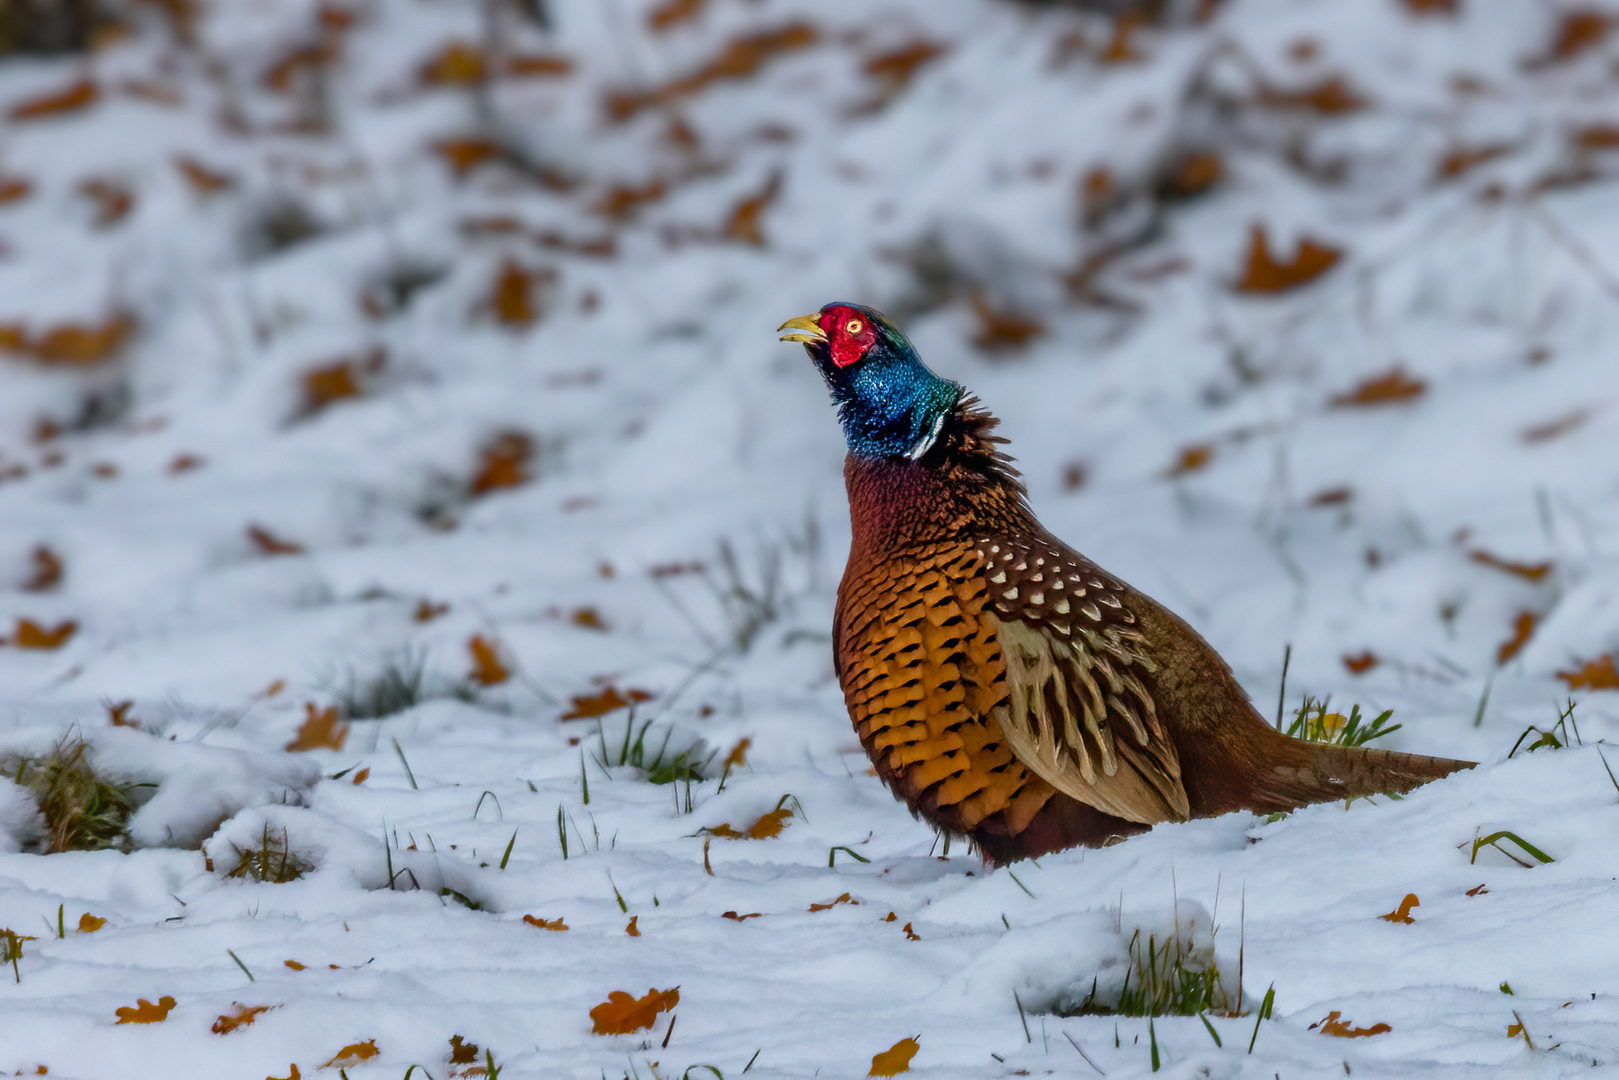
[[667, 421]]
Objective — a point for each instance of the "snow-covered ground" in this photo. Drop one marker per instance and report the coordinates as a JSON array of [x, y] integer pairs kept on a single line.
[[337, 337]]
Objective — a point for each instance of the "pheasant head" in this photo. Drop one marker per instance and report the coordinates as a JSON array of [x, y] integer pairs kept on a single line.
[[889, 403]]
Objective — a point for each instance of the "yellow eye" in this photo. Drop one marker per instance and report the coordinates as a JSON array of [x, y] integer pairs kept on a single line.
[[854, 326]]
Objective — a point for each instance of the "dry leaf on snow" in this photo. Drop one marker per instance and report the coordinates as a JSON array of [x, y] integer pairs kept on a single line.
[[622, 1014], [545, 924], [353, 1054], [244, 1016], [1522, 628], [1402, 914], [589, 706], [1265, 273], [487, 669], [1390, 388], [504, 463], [1332, 1025], [321, 730], [1598, 674], [80, 95], [896, 1059], [31, 635], [144, 1012]]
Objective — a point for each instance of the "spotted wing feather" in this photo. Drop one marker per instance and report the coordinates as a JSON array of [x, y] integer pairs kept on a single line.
[[1078, 711]]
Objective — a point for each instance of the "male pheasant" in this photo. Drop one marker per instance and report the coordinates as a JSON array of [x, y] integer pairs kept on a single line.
[[1006, 687]]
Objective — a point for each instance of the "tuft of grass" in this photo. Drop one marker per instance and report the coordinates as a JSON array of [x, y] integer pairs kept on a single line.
[[84, 810], [1163, 979], [1556, 737], [11, 950], [273, 861], [658, 766], [402, 683], [1313, 723]]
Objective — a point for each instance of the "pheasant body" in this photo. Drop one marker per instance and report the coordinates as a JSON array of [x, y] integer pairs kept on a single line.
[[1005, 687]]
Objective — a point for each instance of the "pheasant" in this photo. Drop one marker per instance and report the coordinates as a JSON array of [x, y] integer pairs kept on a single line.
[[1004, 686]]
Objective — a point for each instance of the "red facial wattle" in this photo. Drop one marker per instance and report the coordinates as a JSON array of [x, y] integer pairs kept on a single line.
[[849, 334]]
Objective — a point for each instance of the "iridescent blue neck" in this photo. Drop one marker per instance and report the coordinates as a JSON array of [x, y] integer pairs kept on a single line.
[[891, 405]]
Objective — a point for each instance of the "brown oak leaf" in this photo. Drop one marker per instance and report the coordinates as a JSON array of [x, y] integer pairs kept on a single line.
[[895, 1060], [1402, 914], [243, 1017], [622, 1014], [1598, 674], [1265, 273], [322, 729], [144, 1012]]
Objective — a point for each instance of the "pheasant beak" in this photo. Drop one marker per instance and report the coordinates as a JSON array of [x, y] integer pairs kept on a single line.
[[805, 328]]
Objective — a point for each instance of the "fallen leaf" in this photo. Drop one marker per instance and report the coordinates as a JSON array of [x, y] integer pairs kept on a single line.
[[1264, 273], [353, 1054], [1331, 96], [897, 67], [268, 543], [623, 200], [13, 188], [427, 611], [1527, 571], [31, 635], [203, 180], [743, 224], [1332, 1025], [1332, 496], [1390, 388], [1431, 7], [69, 344], [1477, 890], [1361, 662], [895, 1060], [243, 1017], [184, 463], [80, 95], [1522, 627], [339, 379], [464, 155], [273, 689], [1002, 331], [1096, 193], [1464, 159], [294, 965], [144, 1012], [1598, 674], [622, 1014], [742, 58], [113, 201], [461, 1051], [769, 825], [294, 1074], [487, 669], [538, 66], [321, 730], [738, 756], [739, 918], [1191, 459], [89, 924], [589, 706], [633, 929], [672, 13], [587, 617], [47, 570], [457, 64], [1595, 137], [843, 898], [512, 299], [1553, 428], [1577, 31], [1402, 914], [286, 73], [910, 935]]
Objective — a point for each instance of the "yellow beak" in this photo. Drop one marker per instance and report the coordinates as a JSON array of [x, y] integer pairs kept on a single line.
[[805, 328]]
